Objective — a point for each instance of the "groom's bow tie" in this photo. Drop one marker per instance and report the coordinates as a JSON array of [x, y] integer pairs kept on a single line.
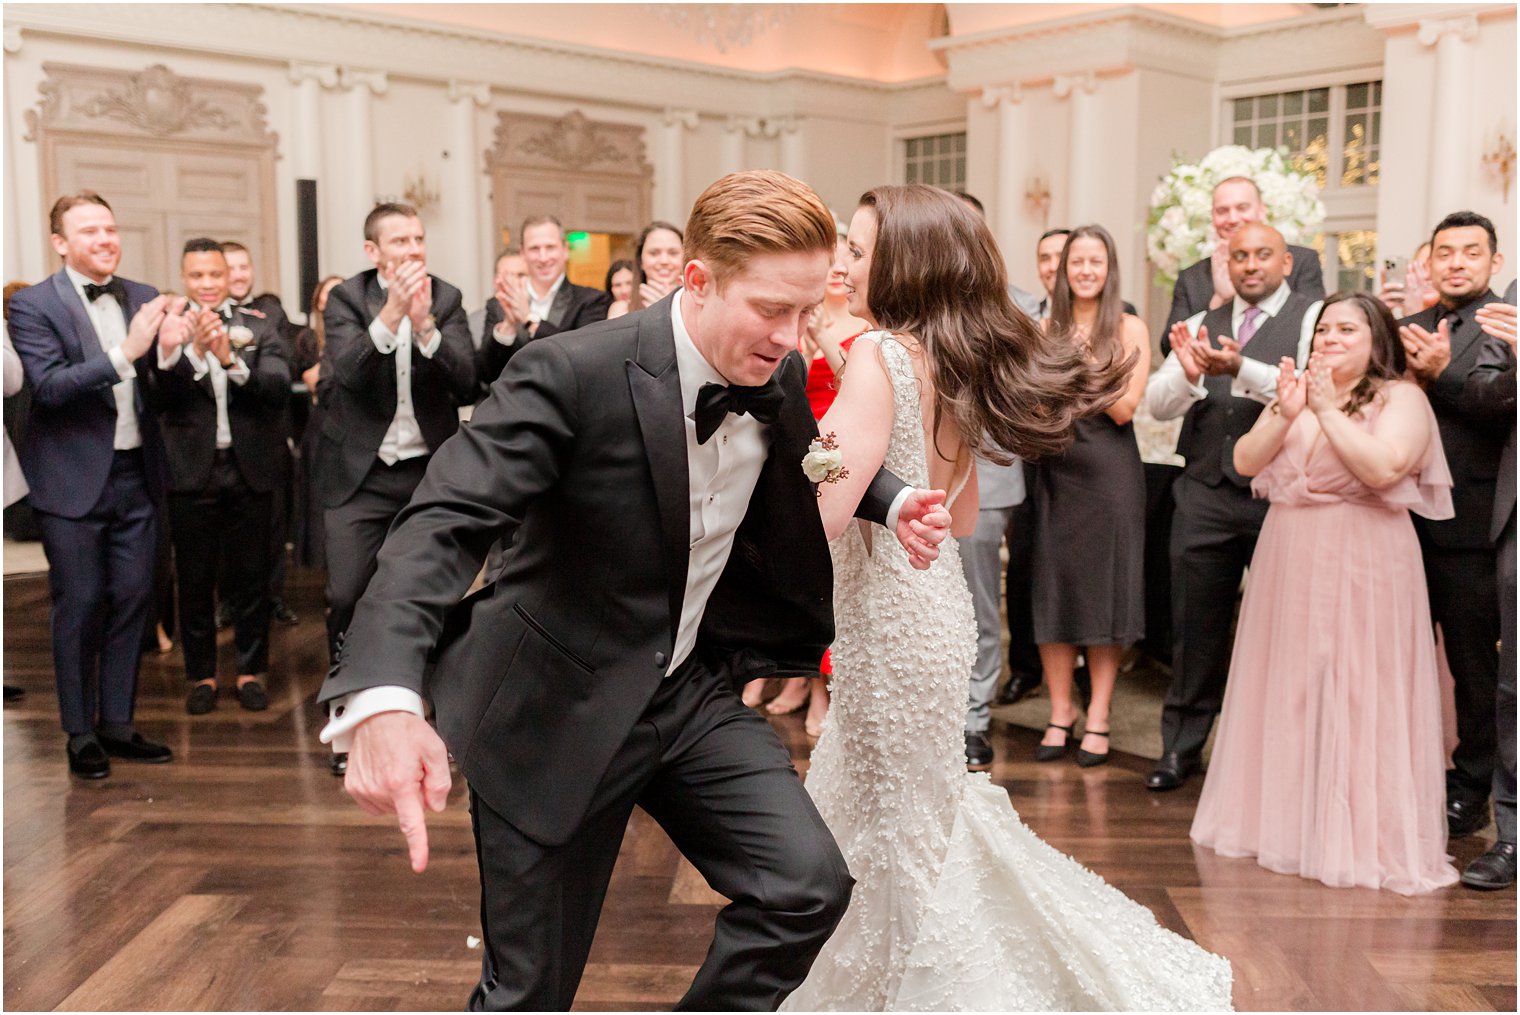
[[714, 401], [93, 292]]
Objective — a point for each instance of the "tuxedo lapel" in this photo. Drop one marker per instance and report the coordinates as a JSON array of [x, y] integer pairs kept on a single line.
[[655, 385], [559, 310], [1465, 337], [374, 296], [84, 330]]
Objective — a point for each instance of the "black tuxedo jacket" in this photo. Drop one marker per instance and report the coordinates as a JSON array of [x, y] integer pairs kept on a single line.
[[1491, 389], [71, 426], [1473, 432], [270, 306], [255, 412], [581, 451], [358, 383], [574, 307], [1195, 288]]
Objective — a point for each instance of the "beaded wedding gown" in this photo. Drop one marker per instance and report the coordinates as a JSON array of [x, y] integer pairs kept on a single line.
[[957, 905]]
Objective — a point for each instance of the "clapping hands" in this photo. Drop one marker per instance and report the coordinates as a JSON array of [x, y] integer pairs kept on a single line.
[[1292, 389], [1428, 354], [411, 291], [1498, 320], [1320, 395]]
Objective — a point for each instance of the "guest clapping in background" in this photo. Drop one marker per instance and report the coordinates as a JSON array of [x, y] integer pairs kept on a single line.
[[658, 260], [619, 282], [1328, 762], [1089, 506]]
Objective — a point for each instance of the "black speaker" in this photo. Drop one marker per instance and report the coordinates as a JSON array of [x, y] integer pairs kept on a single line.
[[306, 238]]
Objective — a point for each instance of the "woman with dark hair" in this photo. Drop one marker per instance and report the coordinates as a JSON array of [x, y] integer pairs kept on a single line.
[[956, 904], [658, 261], [306, 363], [1089, 508], [620, 278], [1329, 762]]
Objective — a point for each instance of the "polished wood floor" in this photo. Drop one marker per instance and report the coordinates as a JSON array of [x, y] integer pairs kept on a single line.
[[240, 877]]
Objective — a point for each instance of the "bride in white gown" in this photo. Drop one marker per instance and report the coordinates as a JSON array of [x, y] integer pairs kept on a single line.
[[957, 905]]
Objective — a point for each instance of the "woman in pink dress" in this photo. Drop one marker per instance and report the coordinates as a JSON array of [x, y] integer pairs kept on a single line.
[[1328, 761]]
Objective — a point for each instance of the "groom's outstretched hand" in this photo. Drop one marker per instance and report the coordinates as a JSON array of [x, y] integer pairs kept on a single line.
[[396, 765], [922, 524]]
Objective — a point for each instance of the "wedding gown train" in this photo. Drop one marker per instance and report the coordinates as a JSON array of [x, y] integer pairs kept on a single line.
[[957, 904]]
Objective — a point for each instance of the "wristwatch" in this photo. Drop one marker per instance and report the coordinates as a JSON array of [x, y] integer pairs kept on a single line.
[[428, 327]]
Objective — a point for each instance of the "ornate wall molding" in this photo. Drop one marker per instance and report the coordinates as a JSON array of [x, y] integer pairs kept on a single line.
[[570, 143], [152, 103]]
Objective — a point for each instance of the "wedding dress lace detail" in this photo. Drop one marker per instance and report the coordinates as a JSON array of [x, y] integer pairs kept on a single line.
[[957, 905]]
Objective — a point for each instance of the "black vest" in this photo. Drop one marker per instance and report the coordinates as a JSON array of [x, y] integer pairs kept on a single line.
[[1213, 425]]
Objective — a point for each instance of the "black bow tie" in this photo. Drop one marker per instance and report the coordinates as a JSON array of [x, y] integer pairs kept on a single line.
[[714, 401], [93, 292]]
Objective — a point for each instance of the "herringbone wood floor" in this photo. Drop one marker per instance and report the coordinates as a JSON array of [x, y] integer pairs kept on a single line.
[[240, 877]]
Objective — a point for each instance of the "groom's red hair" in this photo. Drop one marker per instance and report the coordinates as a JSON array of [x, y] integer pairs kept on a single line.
[[758, 211]]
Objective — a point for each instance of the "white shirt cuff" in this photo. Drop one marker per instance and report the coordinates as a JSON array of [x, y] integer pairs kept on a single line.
[[352, 709], [1256, 381], [121, 363], [896, 508], [167, 362], [198, 362], [510, 338], [384, 338], [238, 373], [431, 345]]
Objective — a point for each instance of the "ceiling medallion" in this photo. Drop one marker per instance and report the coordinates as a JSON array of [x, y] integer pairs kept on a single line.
[[724, 26]]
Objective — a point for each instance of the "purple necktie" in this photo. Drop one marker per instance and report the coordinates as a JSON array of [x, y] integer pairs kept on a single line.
[[1248, 326]]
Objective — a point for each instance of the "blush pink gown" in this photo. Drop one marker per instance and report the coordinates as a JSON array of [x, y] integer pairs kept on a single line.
[[1328, 761]]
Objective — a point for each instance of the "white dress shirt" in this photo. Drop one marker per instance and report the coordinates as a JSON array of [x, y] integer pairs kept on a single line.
[[237, 373], [110, 321], [721, 479], [1168, 394], [403, 438]]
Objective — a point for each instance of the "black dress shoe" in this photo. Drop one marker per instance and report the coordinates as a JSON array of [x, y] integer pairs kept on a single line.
[[978, 752], [340, 763], [1494, 869], [1464, 817], [1171, 772], [202, 699], [1019, 687], [138, 748], [251, 696], [89, 761], [284, 614]]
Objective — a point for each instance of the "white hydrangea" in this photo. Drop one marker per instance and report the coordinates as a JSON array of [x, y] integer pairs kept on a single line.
[[1179, 227]]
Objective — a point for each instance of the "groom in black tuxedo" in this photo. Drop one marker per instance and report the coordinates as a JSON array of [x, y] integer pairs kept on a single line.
[[669, 551]]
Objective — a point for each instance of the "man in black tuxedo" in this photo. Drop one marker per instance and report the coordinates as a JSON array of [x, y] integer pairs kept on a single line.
[[1220, 373], [94, 462], [240, 289], [1206, 284], [224, 380], [1492, 385], [396, 367], [545, 303], [601, 670], [1442, 344]]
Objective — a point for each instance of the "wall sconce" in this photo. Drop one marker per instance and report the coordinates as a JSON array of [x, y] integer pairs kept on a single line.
[[419, 193], [1500, 160], [1037, 196]]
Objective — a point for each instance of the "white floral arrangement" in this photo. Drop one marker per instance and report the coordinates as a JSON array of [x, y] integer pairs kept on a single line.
[[1179, 228], [824, 462]]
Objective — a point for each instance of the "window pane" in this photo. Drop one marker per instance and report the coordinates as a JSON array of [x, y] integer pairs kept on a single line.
[[1293, 137], [1266, 135], [1243, 136], [1266, 105], [1377, 129], [1354, 252], [1377, 93], [1356, 96], [1293, 103], [1354, 169], [1319, 100], [911, 176], [959, 141], [1241, 111]]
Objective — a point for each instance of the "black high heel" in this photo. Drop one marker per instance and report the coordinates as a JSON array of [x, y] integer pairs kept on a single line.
[[1055, 752], [1087, 759]]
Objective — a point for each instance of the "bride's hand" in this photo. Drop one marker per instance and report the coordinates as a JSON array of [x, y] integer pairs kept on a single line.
[[922, 524]]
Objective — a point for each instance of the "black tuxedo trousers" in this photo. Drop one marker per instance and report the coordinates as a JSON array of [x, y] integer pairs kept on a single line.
[[713, 775]]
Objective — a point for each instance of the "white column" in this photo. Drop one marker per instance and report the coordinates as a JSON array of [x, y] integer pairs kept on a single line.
[[463, 217], [793, 149], [359, 174], [731, 146], [1085, 148], [306, 144], [670, 200], [13, 255], [1014, 144], [1451, 127]]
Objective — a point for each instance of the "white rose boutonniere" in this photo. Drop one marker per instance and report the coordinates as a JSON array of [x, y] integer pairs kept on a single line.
[[239, 337], [824, 462]]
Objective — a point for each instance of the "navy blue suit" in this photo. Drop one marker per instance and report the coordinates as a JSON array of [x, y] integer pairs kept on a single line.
[[94, 504]]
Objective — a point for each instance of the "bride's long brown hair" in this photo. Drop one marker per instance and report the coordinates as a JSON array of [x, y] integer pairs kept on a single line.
[[937, 274]]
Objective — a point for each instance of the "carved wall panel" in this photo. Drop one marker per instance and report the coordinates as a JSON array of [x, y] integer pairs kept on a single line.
[[591, 175], [177, 157]]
